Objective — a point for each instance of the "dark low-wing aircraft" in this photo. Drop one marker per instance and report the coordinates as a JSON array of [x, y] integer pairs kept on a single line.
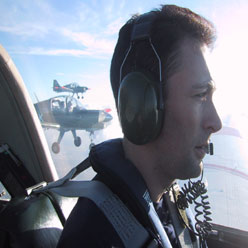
[[66, 113], [74, 88]]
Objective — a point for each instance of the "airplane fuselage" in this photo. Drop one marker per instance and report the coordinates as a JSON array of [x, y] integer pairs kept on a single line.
[[81, 119], [72, 117]]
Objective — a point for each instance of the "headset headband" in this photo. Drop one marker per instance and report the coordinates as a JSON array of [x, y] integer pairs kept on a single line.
[[141, 30]]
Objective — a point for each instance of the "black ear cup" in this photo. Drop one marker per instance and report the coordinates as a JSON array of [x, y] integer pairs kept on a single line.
[[140, 117], [140, 98]]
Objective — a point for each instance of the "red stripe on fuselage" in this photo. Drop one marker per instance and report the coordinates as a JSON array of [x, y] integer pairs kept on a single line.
[[229, 131], [226, 169]]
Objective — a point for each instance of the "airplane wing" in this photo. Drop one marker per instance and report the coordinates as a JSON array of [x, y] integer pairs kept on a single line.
[[50, 125]]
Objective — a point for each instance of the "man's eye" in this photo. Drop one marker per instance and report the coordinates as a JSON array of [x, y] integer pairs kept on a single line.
[[202, 96]]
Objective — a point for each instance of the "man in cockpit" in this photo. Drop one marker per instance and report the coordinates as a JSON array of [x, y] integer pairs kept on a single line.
[[163, 92]]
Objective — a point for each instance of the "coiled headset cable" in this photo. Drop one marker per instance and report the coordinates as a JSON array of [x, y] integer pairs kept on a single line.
[[189, 194]]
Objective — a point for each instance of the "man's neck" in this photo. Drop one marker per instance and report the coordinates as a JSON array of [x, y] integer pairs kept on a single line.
[[143, 159]]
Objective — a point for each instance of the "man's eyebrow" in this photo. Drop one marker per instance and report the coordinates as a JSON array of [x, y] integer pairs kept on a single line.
[[209, 84]]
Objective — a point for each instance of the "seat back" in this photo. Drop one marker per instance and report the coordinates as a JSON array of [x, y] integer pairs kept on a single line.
[[34, 221]]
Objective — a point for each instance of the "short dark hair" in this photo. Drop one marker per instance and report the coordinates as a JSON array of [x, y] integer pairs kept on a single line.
[[170, 27]]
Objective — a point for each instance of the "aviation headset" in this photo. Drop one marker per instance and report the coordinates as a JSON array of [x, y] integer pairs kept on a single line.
[[140, 97]]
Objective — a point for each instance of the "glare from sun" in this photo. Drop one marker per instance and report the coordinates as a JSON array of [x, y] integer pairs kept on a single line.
[[228, 65]]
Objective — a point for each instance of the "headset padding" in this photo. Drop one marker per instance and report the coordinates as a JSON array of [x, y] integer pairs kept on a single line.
[[138, 108]]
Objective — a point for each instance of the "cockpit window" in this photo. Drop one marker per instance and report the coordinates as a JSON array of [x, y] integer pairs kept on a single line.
[[63, 52], [58, 104]]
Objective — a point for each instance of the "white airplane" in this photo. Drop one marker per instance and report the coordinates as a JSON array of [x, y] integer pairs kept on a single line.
[[227, 176]]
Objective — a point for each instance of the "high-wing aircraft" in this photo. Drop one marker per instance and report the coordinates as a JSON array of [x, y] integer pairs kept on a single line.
[[66, 113], [74, 88]]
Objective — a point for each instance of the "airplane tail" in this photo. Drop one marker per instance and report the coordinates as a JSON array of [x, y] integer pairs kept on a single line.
[[107, 110], [56, 85]]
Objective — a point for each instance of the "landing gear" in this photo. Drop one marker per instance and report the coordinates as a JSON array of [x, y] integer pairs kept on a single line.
[[91, 140], [91, 145], [56, 147], [77, 141]]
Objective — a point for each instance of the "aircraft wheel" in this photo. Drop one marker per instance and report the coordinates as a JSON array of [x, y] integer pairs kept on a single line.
[[77, 141], [55, 147], [91, 145]]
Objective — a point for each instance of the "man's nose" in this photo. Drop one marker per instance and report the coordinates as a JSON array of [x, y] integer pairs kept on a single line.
[[213, 121]]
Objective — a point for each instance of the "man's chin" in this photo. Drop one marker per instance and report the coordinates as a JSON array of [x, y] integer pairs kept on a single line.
[[195, 172]]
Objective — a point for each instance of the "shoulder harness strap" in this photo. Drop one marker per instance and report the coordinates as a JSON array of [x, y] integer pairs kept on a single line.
[[131, 232]]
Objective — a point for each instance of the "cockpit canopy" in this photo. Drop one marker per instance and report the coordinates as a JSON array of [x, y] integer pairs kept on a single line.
[[66, 103]]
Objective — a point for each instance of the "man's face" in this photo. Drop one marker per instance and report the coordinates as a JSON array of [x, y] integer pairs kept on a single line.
[[190, 117]]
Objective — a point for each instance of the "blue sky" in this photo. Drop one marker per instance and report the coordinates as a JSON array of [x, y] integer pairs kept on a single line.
[[73, 41]]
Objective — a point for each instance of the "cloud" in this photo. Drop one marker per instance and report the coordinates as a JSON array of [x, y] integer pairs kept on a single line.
[[25, 30], [83, 33], [52, 52], [113, 27], [101, 54], [60, 73], [25, 18], [93, 45]]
